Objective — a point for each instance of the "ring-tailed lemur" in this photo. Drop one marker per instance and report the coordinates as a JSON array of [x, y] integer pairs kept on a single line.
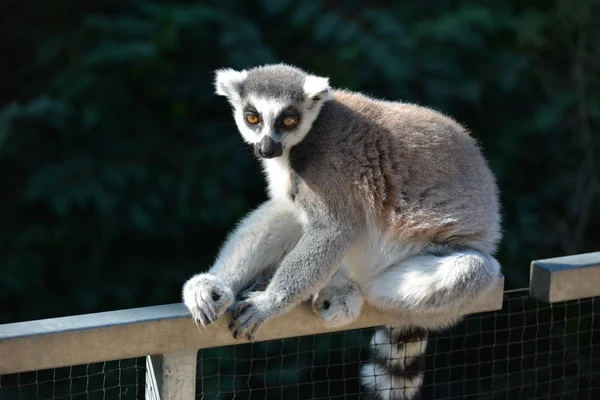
[[369, 200]]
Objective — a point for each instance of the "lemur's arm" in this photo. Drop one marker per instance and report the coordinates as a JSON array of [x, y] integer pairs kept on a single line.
[[260, 240], [305, 270]]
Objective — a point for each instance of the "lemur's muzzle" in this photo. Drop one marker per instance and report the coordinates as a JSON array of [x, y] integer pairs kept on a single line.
[[268, 148]]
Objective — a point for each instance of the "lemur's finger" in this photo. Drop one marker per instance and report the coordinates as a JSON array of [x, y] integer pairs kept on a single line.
[[241, 307], [208, 305], [204, 319], [239, 330], [237, 334], [247, 315], [252, 333], [234, 328], [200, 315]]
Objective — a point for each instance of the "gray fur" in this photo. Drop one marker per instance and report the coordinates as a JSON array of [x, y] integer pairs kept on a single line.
[[371, 200], [275, 81]]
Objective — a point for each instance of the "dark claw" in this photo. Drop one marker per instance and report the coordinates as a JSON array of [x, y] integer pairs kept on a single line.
[[204, 318], [326, 305], [236, 334]]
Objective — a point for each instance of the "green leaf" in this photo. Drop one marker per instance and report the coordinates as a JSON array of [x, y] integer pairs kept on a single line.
[[115, 53]]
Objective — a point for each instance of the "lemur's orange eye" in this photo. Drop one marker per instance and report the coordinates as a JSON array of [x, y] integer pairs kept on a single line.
[[253, 119], [289, 121]]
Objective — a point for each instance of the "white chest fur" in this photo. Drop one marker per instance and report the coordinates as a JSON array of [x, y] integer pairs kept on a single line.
[[279, 181], [277, 171]]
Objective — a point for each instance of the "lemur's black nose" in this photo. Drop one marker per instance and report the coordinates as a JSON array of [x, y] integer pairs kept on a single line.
[[268, 148]]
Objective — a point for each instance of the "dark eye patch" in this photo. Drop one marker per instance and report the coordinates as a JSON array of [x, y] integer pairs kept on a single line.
[[287, 112], [251, 110]]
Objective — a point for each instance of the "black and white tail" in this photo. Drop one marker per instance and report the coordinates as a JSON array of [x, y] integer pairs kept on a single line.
[[398, 363]]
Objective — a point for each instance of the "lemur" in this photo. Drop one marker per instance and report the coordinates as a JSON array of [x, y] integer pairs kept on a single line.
[[370, 200]]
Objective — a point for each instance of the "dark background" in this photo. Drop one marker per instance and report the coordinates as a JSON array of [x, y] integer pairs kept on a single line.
[[123, 172]]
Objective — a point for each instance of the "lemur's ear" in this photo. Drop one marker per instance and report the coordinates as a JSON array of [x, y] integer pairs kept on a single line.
[[228, 82], [317, 88]]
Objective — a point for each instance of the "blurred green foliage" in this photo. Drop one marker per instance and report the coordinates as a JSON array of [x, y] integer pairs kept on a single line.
[[123, 171]]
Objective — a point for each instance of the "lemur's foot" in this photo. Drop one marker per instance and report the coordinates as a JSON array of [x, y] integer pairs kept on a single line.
[[338, 303], [207, 297]]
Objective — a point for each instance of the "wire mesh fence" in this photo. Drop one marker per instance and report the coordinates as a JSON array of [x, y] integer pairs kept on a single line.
[[527, 350], [121, 379]]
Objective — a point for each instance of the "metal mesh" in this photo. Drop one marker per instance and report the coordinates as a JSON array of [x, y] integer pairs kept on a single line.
[[528, 350], [122, 379]]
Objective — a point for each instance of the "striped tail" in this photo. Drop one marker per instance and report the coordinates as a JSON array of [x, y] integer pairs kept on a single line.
[[398, 363]]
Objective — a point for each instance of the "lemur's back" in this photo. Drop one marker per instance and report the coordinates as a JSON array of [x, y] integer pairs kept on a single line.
[[416, 171]]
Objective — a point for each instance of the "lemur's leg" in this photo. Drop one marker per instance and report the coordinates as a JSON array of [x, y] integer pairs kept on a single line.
[[260, 240], [425, 283], [339, 302], [433, 283]]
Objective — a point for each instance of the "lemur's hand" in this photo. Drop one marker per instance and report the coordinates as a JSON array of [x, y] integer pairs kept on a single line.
[[249, 314], [207, 297]]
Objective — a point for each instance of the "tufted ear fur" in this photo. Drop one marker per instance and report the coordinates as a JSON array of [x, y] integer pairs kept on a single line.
[[317, 88], [228, 82]]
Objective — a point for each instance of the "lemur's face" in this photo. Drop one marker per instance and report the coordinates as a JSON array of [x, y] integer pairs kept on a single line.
[[274, 106]]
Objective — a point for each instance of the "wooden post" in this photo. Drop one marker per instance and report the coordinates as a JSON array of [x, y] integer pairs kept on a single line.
[[565, 278], [171, 376]]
